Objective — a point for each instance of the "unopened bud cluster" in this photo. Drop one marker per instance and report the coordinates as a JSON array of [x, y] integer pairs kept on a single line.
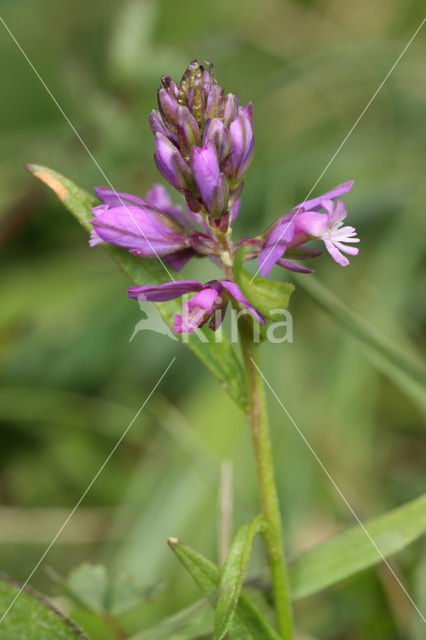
[[204, 140]]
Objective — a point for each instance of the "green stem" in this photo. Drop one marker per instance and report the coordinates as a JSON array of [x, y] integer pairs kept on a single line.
[[258, 420]]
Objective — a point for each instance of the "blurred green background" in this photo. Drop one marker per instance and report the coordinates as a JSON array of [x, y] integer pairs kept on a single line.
[[70, 379]]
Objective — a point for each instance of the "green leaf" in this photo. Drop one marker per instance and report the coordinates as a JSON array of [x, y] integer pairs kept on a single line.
[[233, 574], [191, 621], [207, 576], [392, 361], [102, 594], [32, 617], [351, 551], [219, 356], [267, 296]]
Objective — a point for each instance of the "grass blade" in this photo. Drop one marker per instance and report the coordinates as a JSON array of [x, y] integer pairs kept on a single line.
[[351, 551], [407, 372]]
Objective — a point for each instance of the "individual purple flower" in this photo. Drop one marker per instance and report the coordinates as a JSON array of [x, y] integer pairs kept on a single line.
[[329, 228], [305, 222], [209, 303], [148, 228]]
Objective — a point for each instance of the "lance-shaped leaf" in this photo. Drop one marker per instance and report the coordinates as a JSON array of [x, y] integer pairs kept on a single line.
[[249, 621], [219, 356], [32, 617], [351, 551], [233, 574], [266, 295]]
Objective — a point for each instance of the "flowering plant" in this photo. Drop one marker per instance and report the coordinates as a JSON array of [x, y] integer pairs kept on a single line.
[[204, 143]]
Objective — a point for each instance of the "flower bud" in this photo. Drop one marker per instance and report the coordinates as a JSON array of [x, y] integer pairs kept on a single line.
[[187, 129], [156, 123], [167, 104], [242, 145], [217, 134], [230, 108], [214, 102], [197, 101], [211, 183], [170, 163]]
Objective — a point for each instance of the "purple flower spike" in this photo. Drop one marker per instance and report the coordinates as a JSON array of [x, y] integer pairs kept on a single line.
[[211, 183], [170, 163], [194, 115]]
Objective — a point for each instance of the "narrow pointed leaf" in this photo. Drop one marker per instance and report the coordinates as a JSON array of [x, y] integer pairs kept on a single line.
[[233, 574], [351, 551], [32, 617], [219, 356], [207, 576]]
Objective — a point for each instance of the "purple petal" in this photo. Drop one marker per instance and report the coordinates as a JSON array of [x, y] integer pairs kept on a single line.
[[205, 167], [164, 292], [94, 239], [292, 266], [335, 254], [311, 223], [333, 193], [178, 260], [210, 182], [146, 231], [116, 199], [236, 293], [170, 162], [196, 312], [339, 212], [159, 197], [268, 257], [235, 210]]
